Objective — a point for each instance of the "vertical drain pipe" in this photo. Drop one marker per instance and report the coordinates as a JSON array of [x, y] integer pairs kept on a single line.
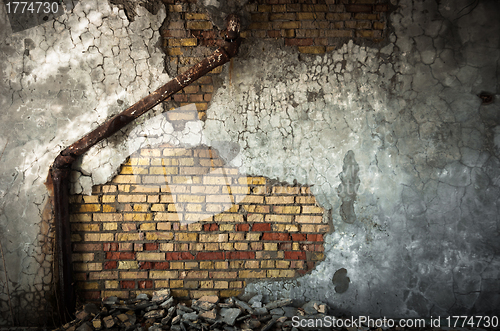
[[61, 168]]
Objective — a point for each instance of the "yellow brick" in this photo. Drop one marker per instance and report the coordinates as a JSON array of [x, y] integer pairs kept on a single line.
[[214, 237], [186, 236], [282, 264], [119, 294], [125, 265], [236, 284], [163, 171], [129, 236], [126, 179], [83, 257], [91, 199], [196, 16], [158, 207], [147, 256], [237, 236], [124, 188], [147, 226], [270, 246], [255, 218], [112, 217], [80, 217], [144, 188], [286, 209], [110, 226], [241, 246], [279, 200], [98, 237], [308, 219], [206, 264], [191, 265], [153, 236], [291, 190], [207, 284], [317, 256], [87, 266], [230, 293], [76, 237], [190, 198], [312, 210], [85, 227], [251, 264], [221, 265], [252, 274], [140, 161], [226, 217], [108, 188], [167, 247], [196, 246], [111, 284], [216, 180], [150, 152], [235, 190], [226, 227], [220, 284], [108, 209], [132, 198], [267, 264], [252, 199], [139, 217], [141, 207], [279, 218], [168, 217], [176, 283], [312, 49], [226, 246], [133, 274], [89, 208], [288, 25], [295, 246], [197, 227], [108, 198], [194, 207], [285, 228], [176, 265], [253, 236], [153, 199], [163, 274]]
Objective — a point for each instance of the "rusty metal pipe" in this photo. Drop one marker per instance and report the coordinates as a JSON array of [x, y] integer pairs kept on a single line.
[[61, 167]]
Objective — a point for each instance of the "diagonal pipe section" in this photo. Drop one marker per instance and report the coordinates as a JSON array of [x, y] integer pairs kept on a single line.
[[61, 168]]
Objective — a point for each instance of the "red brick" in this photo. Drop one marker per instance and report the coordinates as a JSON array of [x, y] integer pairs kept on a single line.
[[298, 41], [150, 246], [242, 227], [240, 255], [146, 284], [257, 227], [146, 265], [298, 237], [314, 237], [210, 256], [211, 227], [127, 284], [319, 248], [295, 255], [308, 247], [110, 247], [359, 8], [110, 265], [180, 256], [161, 265], [276, 236]]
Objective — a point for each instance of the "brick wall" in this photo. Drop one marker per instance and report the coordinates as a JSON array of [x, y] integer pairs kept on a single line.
[[179, 218], [309, 26]]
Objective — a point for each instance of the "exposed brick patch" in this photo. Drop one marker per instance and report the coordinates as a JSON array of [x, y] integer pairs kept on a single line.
[[188, 233]]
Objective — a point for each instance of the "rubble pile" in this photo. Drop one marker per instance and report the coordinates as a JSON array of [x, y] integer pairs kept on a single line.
[[162, 312]]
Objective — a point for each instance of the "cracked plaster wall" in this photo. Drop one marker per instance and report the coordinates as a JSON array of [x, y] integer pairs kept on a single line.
[[58, 81], [400, 125], [394, 141]]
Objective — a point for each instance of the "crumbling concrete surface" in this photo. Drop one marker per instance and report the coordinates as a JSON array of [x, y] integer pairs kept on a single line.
[[396, 142], [58, 81]]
